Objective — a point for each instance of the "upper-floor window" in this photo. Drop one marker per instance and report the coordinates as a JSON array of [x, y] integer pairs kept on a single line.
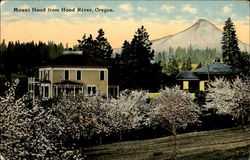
[[66, 75], [79, 75], [47, 75], [101, 75]]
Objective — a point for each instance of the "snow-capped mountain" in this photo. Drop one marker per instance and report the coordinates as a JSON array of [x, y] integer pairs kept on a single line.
[[200, 35]]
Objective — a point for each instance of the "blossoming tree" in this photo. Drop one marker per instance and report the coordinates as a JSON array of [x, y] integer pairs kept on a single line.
[[129, 111], [230, 97], [30, 131], [174, 109]]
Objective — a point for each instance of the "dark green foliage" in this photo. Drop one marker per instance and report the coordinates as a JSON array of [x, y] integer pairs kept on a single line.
[[135, 68], [24, 57], [184, 56], [3, 84], [98, 47], [200, 98], [186, 65], [19, 60], [230, 49], [244, 62], [198, 66], [171, 67]]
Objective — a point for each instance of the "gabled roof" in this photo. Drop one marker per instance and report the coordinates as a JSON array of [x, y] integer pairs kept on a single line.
[[76, 60], [217, 68], [187, 75]]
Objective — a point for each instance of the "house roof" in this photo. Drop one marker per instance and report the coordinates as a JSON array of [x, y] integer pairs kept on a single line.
[[187, 75], [77, 60], [217, 68]]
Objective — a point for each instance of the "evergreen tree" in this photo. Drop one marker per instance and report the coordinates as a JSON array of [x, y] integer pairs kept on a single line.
[[189, 64], [172, 67], [104, 49], [244, 62], [230, 49], [137, 71], [183, 66], [99, 47], [199, 66]]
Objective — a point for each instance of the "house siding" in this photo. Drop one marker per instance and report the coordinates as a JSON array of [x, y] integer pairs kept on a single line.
[[58, 75], [93, 78], [72, 75]]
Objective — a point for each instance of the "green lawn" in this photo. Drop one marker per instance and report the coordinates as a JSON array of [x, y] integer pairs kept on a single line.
[[224, 144]]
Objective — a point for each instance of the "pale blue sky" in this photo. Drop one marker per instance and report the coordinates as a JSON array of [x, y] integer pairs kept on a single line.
[[134, 12]]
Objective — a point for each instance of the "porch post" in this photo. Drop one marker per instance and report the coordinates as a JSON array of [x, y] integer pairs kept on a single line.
[[74, 91], [56, 91]]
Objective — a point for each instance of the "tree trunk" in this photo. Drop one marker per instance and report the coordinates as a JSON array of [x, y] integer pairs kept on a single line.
[[174, 155], [243, 119], [120, 136], [100, 140]]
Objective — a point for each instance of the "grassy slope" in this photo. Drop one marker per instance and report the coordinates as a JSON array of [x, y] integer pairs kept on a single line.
[[161, 148]]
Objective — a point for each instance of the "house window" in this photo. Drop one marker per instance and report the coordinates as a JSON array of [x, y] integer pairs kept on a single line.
[[66, 75], [79, 75], [101, 75], [91, 90], [46, 91]]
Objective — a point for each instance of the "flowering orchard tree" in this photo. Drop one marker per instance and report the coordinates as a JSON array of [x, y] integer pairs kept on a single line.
[[174, 109], [129, 111], [229, 97], [84, 116], [29, 131]]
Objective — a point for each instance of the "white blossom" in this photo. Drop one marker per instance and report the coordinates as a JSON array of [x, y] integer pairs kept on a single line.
[[229, 97]]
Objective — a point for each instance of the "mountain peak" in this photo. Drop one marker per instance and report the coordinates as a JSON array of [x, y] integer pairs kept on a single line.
[[201, 35], [202, 21]]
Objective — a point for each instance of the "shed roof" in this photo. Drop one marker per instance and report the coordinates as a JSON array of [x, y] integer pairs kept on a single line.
[[187, 75], [217, 68]]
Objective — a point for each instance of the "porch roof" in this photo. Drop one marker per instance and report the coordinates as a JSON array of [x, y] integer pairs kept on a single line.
[[68, 83]]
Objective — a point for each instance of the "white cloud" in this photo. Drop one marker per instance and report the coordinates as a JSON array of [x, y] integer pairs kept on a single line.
[[5, 13], [102, 6], [118, 18], [11, 18], [152, 14], [25, 6], [126, 7], [53, 7], [226, 9], [189, 9], [69, 13], [167, 8], [94, 18], [139, 8]]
